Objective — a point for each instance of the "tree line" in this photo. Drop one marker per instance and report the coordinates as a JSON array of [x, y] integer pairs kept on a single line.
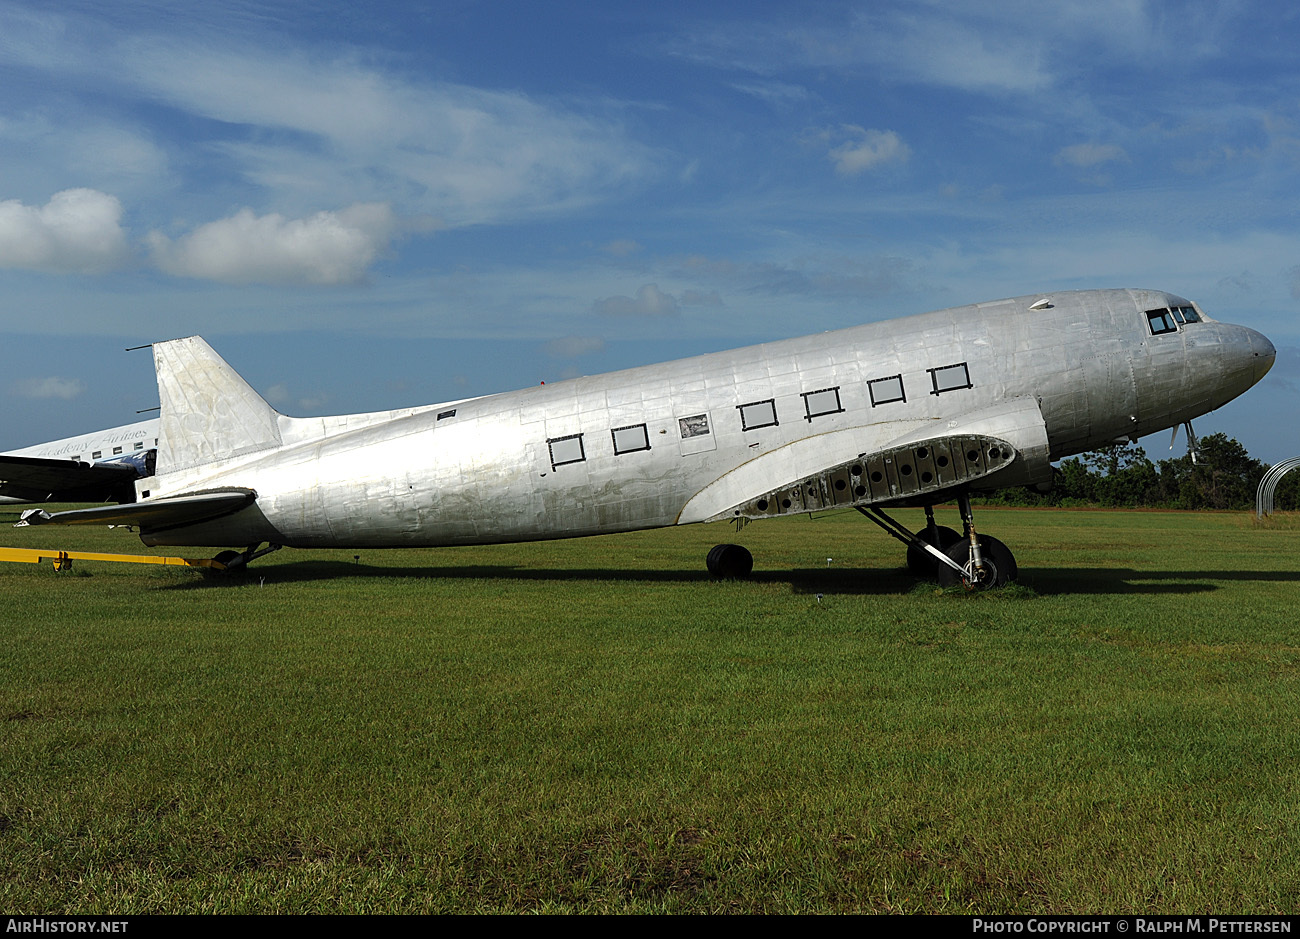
[[1223, 476]]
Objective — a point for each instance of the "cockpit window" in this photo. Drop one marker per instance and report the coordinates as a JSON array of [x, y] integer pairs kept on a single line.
[[1169, 320], [1161, 321]]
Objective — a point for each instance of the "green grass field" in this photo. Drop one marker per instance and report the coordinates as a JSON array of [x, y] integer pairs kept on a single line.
[[595, 726]]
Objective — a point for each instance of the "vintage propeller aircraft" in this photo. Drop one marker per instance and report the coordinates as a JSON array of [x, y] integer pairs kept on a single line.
[[911, 412]]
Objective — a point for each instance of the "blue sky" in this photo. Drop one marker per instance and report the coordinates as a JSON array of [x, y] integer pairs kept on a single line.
[[379, 205]]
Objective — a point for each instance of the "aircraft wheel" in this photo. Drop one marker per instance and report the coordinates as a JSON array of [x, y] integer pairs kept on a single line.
[[922, 563], [999, 565], [232, 560], [729, 562]]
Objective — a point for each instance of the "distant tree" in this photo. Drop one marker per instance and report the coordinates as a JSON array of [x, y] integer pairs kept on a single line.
[[1224, 476], [1073, 483]]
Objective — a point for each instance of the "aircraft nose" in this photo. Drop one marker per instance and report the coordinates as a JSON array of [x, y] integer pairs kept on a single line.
[[1263, 352]]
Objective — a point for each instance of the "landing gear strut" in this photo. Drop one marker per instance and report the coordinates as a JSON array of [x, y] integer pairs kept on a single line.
[[973, 560], [919, 561], [235, 560]]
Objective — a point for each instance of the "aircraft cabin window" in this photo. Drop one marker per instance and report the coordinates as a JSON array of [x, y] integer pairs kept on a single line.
[[886, 390], [1189, 315], [696, 426], [139, 444], [818, 403], [630, 439], [949, 378], [758, 414], [117, 451], [443, 415], [1161, 321], [97, 454], [566, 450]]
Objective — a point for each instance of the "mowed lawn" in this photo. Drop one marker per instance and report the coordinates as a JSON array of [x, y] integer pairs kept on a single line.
[[596, 726]]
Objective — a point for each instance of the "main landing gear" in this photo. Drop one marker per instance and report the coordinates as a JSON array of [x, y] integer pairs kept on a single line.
[[729, 562], [973, 560], [235, 560]]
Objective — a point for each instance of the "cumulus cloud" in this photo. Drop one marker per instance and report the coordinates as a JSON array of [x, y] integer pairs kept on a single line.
[[77, 231], [324, 249], [53, 387], [649, 301], [867, 149]]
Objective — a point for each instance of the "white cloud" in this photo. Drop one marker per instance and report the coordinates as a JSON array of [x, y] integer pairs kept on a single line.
[[320, 127], [327, 248], [701, 298], [570, 347], [467, 155], [866, 149], [621, 248], [77, 231], [53, 387], [1084, 155], [649, 301]]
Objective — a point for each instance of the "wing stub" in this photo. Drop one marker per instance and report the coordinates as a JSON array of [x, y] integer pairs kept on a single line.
[[899, 473]]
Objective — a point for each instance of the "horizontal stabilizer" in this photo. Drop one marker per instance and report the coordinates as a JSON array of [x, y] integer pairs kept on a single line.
[[151, 514], [37, 479], [207, 411], [911, 471]]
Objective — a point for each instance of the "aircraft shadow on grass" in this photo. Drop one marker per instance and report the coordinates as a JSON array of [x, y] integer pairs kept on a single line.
[[829, 581]]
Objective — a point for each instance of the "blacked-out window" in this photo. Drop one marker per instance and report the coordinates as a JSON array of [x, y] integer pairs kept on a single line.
[[695, 426], [825, 401], [630, 439], [886, 390], [758, 414], [566, 450], [949, 378]]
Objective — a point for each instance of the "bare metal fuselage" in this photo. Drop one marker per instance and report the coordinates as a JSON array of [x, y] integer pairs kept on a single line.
[[693, 439]]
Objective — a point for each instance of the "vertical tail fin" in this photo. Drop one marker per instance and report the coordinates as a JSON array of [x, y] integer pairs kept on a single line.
[[208, 413]]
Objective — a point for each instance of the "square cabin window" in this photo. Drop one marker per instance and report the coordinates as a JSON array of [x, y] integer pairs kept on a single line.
[[758, 414], [817, 403], [886, 390], [630, 439], [566, 450], [949, 378]]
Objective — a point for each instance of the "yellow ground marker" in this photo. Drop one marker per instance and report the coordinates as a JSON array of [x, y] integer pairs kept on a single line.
[[62, 560]]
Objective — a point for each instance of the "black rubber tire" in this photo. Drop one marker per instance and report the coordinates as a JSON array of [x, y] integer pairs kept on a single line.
[[729, 562], [923, 564], [226, 557], [999, 565]]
